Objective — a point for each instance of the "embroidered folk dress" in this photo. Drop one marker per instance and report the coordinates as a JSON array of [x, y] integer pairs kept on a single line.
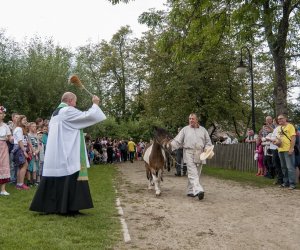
[[4, 155], [60, 191]]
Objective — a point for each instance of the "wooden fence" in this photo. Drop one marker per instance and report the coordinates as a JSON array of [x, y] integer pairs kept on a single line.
[[234, 156]]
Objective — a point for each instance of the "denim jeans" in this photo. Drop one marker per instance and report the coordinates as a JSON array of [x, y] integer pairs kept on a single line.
[[288, 168], [277, 166]]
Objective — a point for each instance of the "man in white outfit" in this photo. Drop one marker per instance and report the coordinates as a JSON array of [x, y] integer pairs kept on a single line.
[[64, 185], [193, 139]]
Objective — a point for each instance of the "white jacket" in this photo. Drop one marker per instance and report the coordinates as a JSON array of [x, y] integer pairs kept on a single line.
[[62, 156]]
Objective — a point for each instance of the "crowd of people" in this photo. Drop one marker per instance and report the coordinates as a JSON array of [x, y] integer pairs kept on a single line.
[[23, 145], [108, 150], [277, 151], [30, 137], [22, 150]]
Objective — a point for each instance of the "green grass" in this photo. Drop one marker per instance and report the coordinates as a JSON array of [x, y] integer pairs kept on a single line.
[[244, 178], [98, 228]]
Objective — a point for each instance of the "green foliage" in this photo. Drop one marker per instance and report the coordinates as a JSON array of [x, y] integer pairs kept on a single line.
[[33, 79], [185, 63]]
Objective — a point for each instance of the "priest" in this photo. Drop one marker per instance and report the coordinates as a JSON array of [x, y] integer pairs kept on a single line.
[[64, 187]]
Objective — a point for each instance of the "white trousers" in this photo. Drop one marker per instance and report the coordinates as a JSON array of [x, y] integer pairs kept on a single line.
[[194, 186]]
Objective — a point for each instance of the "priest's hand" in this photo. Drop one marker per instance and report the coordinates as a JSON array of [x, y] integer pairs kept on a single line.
[[95, 99]]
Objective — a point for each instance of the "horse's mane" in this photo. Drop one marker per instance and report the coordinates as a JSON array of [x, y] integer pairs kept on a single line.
[[161, 133]]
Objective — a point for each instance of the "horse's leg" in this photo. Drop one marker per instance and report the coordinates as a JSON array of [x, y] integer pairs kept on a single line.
[[151, 184], [149, 176], [156, 181]]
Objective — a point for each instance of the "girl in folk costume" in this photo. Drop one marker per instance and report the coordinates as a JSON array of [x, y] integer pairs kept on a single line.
[[4, 155], [260, 157], [20, 151]]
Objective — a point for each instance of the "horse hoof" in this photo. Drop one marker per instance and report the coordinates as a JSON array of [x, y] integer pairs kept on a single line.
[[157, 193]]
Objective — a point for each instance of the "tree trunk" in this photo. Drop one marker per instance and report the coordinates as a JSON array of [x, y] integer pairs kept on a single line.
[[277, 46], [280, 88]]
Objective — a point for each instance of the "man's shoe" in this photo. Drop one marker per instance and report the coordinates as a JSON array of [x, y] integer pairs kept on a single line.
[[177, 174], [200, 195], [292, 187], [184, 174], [191, 195]]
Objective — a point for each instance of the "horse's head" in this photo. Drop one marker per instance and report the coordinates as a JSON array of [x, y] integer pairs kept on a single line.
[[162, 135]]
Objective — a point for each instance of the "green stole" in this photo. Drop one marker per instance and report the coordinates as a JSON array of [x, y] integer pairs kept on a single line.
[[83, 173]]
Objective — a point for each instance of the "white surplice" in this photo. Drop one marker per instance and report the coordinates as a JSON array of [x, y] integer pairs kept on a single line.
[[62, 155]]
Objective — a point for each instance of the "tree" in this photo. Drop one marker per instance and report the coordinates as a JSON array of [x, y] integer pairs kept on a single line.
[[278, 22]]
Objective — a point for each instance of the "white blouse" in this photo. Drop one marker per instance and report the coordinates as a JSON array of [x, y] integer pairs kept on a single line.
[[4, 132]]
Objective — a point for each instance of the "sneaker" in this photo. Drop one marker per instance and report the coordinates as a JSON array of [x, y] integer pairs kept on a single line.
[[4, 193], [282, 185], [23, 186], [292, 187]]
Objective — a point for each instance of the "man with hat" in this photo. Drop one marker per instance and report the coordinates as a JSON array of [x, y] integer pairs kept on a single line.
[[194, 140]]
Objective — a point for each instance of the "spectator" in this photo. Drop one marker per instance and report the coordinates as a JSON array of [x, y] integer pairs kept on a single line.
[[20, 151], [13, 167], [267, 127], [5, 134], [260, 157], [251, 137], [124, 152], [34, 163], [41, 154], [227, 139], [287, 135], [131, 149]]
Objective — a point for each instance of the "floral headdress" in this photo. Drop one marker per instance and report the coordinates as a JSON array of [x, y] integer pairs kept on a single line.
[[2, 109]]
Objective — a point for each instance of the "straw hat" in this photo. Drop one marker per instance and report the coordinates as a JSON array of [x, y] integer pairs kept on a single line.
[[207, 154]]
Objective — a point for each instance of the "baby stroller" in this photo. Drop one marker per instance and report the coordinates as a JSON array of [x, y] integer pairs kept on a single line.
[[98, 159]]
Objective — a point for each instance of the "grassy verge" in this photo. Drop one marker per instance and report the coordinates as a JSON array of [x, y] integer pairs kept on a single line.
[[238, 176], [98, 228]]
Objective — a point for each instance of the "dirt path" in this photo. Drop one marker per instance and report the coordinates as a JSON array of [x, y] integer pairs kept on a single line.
[[231, 216]]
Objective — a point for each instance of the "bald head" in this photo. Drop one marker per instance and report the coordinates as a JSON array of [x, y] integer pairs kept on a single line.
[[69, 98]]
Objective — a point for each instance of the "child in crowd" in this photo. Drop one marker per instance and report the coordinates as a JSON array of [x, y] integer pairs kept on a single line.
[[41, 154], [34, 163], [104, 155], [260, 157], [91, 155]]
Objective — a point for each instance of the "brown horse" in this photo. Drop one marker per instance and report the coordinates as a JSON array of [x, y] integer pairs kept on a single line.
[[155, 158]]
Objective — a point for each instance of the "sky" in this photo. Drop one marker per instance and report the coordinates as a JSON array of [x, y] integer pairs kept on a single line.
[[72, 23]]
